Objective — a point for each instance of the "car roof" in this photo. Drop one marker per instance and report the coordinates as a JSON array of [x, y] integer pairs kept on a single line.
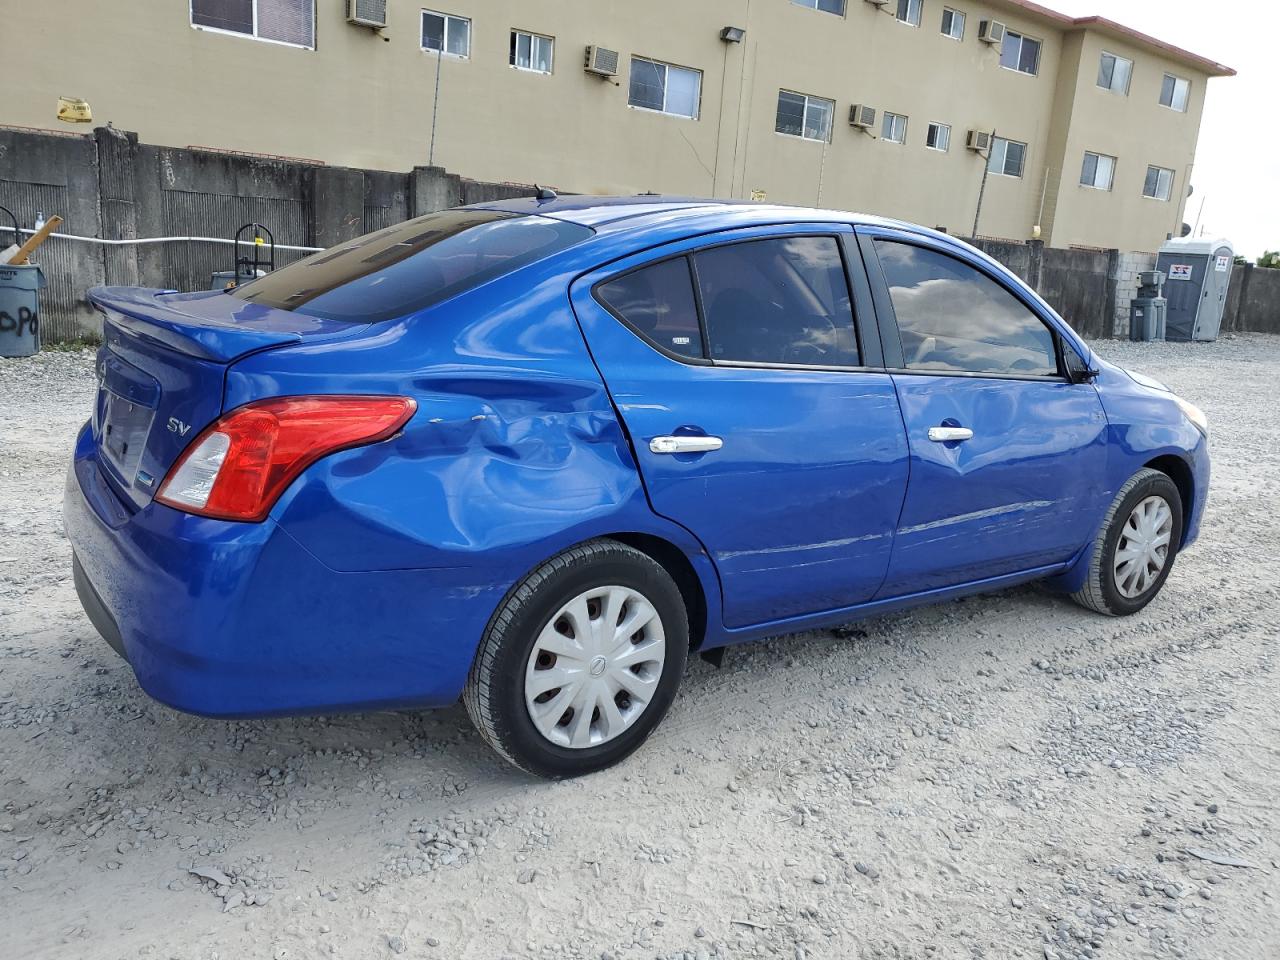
[[644, 209], [591, 211]]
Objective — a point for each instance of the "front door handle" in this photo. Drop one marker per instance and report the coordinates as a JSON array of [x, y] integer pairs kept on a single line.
[[949, 434], [686, 444]]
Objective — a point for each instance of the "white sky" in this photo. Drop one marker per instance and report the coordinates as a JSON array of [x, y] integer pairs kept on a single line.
[[1237, 172]]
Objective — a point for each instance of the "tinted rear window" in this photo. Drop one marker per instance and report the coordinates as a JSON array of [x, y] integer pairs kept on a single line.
[[410, 266], [779, 300], [657, 302]]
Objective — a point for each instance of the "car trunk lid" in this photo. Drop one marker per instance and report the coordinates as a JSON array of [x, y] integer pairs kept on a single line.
[[161, 372]]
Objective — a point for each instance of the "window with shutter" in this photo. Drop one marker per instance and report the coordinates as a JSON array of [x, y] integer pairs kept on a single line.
[[280, 21], [288, 21]]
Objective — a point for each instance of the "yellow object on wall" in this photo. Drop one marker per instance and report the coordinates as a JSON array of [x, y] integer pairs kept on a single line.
[[74, 110]]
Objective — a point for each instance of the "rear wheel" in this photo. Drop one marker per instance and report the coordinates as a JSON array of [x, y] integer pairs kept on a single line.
[[1135, 549], [580, 662]]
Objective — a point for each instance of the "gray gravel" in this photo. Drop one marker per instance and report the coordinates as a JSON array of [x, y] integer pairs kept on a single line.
[[1009, 776]]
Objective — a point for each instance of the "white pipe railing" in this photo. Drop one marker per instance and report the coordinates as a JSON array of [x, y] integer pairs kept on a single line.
[[152, 240]]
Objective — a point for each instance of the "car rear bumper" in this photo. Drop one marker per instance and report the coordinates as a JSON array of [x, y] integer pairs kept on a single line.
[[237, 619]]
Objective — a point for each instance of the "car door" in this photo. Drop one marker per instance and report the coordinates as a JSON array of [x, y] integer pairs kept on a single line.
[[759, 421], [1007, 453]]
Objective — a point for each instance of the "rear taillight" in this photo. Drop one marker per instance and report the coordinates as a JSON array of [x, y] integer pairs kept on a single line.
[[238, 467]]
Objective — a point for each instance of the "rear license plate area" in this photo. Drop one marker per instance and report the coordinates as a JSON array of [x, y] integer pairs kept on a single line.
[[125, 426], [126, 407]]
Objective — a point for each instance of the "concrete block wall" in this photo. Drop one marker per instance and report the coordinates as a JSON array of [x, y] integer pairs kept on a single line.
[[1131, 264]]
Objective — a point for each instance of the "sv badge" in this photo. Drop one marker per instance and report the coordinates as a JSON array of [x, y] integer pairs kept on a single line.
[[178, 427]]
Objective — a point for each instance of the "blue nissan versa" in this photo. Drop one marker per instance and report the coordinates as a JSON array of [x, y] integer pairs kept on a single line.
[[533, 453]]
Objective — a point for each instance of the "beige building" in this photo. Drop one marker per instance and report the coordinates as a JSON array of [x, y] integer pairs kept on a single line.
[[1096, 124]]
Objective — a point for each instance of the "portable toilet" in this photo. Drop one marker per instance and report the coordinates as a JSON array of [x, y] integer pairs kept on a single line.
[[1199, 272]]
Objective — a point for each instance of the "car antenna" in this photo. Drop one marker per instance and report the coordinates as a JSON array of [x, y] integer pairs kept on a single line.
[[545, 193]]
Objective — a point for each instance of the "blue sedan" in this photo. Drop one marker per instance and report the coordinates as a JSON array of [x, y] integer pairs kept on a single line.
[[534, 453]]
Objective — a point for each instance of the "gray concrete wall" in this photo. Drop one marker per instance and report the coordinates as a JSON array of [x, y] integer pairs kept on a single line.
[[110, 186], [1253, 300], [1081, 286], [48, 173]]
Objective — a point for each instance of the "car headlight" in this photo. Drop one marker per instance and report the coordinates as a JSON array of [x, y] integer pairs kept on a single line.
[[1194, 414]]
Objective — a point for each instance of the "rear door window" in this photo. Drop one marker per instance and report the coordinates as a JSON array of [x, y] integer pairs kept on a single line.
[[411, 266], [952, 317], [657, 302], [780, 300]]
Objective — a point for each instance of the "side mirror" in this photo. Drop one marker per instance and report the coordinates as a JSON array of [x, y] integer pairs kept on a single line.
[[1087, 375], [1078, 370]]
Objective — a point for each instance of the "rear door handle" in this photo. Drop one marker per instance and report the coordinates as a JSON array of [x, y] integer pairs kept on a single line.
[[687, 444], [949, 434]]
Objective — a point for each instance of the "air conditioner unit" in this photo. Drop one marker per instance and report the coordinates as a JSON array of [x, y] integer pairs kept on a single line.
[[601, 61], [861, 115], [991, 31], [367, 13], [878, 3], [978, 140]]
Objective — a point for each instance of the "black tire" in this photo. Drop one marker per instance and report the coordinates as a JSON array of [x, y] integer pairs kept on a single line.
[[495, 692], [1100, 591]]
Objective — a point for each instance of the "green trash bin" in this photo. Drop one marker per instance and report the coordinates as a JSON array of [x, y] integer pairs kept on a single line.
[[20, 309]]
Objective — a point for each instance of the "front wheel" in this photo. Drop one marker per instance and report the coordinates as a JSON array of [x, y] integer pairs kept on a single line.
[[580, 662], [1136, 547]]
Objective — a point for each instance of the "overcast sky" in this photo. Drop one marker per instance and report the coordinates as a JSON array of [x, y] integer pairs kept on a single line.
[[1237, 172]]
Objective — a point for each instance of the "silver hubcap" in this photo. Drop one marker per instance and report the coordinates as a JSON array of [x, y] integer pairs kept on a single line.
[[595, 667], [1143, 549]]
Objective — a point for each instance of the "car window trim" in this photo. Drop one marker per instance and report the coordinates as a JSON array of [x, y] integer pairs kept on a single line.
[[866, 316], [860, 297], [889, 317]]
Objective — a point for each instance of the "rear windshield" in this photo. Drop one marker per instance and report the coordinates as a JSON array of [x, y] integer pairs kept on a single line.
[[412, 265]]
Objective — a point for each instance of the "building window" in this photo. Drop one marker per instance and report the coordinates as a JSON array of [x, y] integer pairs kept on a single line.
[[664, 88], [1020, 53], [804, 116], [280, 21], [1007, 157], [1114, 74], [826, 6], [1159, 185], [1175, 92], [894, 128], [952, 23], [909, 12], [531, 51], [446, 33], [1098, 172], [938, 137]]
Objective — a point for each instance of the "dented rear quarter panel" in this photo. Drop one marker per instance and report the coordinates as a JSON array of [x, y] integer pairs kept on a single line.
[[514, 454]]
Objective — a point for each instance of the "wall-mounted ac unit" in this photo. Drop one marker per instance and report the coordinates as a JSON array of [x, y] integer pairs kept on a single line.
[[978, 140], [601, 61], [878, 3], [860, 115], [367, 13], [991, 31]]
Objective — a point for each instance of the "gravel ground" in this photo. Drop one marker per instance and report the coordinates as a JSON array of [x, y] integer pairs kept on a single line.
[[1003, 777]]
